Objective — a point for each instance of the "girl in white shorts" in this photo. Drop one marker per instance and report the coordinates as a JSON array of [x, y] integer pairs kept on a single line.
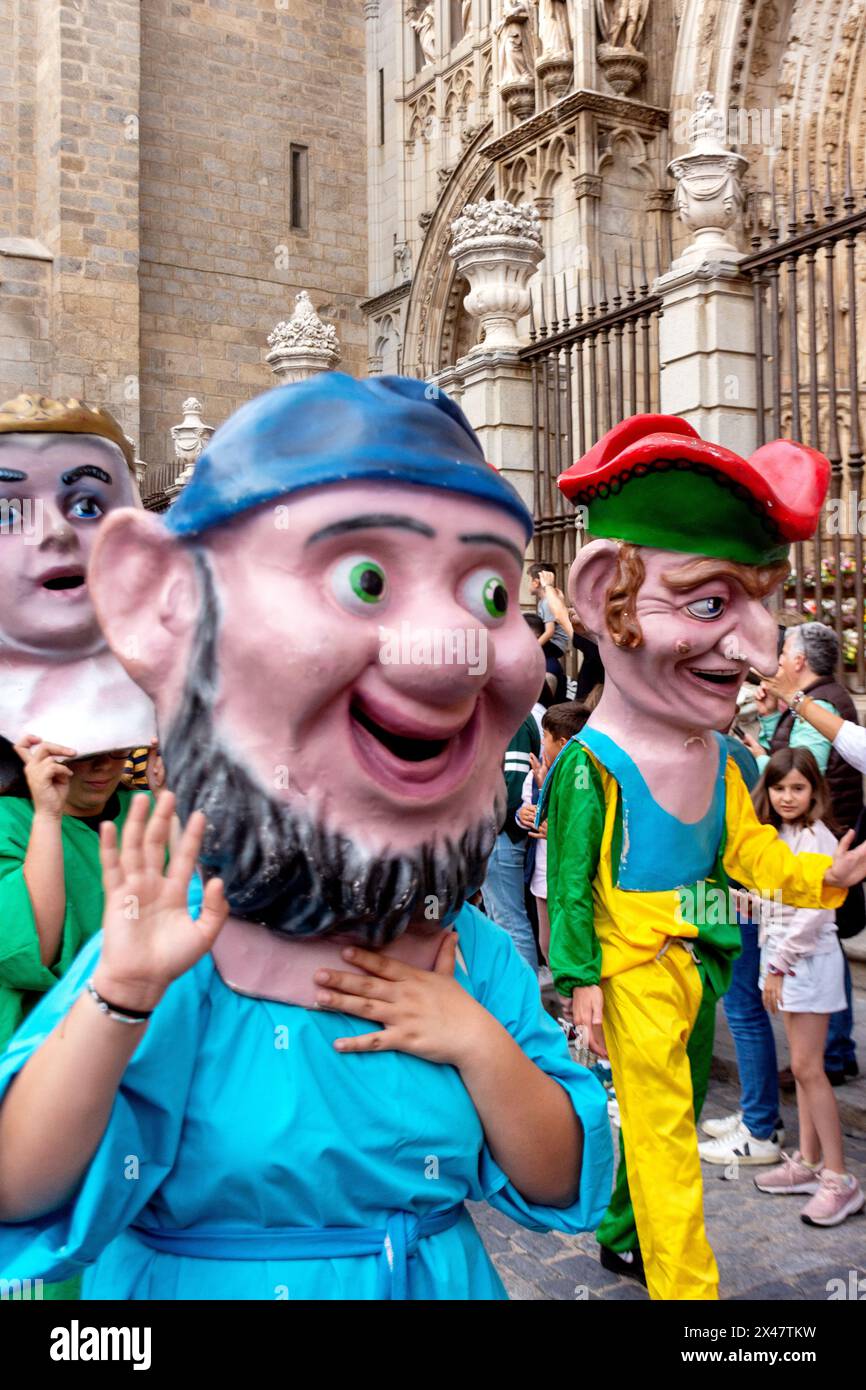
[[802, 975]]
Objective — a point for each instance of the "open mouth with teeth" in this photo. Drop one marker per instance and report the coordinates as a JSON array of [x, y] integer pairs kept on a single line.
[[715, 677]]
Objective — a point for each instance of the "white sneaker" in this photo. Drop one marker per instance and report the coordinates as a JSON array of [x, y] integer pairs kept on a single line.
[[717, 1128], [739, 1146]]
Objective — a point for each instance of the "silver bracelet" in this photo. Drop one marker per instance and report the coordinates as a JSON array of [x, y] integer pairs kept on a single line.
[[120, 1015]]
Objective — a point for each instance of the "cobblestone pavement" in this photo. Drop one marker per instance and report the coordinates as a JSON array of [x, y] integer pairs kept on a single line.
[[763, 1249]]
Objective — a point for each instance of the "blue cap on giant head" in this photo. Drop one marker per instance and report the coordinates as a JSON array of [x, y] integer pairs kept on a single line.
[[334, 429]]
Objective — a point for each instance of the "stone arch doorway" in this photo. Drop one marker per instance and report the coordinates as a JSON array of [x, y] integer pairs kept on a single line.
[[438, 330]]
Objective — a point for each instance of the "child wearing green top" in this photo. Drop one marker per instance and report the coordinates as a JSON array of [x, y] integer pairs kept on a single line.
[[51, 896]]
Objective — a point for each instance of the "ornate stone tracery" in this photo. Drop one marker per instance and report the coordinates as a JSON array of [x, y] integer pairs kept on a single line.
[[302, 345]]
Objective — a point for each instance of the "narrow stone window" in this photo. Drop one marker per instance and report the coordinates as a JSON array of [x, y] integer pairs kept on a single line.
[[300, 188], [381, 106]]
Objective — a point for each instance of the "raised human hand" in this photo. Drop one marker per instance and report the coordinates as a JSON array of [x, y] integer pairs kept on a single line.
[[765, 701], [426, 1013], [539, 769], [149, 937], [849, 865], [47, 779], [749, 741], [779, 687]]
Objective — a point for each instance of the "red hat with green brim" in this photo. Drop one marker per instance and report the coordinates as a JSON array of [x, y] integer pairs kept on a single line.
[[653, 481]]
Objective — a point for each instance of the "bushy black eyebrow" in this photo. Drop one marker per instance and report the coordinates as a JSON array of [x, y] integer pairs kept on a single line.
[[85, 470], [488, 538], [12, 475], [371, 521]]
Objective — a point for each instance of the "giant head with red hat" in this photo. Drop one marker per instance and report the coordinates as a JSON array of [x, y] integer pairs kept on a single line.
[[688, 542]]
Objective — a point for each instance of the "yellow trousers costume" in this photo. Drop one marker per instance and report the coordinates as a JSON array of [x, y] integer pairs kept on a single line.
[[649, 1012], [636, 942]]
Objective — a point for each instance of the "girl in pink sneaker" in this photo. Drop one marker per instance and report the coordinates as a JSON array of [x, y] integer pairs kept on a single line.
[[802, 975]]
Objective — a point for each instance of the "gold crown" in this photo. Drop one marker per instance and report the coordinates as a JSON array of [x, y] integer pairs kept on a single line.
[[40, 413]]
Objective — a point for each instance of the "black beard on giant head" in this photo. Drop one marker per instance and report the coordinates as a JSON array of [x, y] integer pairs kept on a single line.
[[279, 866]]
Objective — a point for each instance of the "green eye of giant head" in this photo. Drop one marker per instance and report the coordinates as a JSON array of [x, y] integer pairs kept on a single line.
[[484, 594], [495, 597], [359, 583], [368, 581]]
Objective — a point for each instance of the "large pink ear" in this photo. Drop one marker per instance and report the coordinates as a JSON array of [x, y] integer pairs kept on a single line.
[[146, 595], [588, 582]]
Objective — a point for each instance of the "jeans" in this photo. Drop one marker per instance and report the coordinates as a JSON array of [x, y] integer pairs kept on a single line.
[[840, 1044], [553, 664], [755, 1045], [503, 895]]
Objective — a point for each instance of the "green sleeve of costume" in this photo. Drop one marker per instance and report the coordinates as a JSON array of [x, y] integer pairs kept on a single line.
[[574, 804]]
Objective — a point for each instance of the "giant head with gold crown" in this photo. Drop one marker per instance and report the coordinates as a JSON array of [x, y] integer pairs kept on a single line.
[[64, 467]]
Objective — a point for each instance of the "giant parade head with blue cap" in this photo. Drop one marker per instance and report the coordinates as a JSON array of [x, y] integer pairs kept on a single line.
[[328, 622]]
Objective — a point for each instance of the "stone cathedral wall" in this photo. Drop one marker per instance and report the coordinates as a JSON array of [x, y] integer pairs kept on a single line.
[[146, 239]]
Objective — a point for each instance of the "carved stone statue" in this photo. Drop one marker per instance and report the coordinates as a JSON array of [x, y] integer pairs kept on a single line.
[[467, 16], [621, 22], [425, 27], [621, 25], [555, 64], [403, 261], [515, 60], [554, 30]]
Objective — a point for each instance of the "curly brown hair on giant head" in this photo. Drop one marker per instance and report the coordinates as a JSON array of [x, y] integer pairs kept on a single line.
[[621, 598], [620, 601]]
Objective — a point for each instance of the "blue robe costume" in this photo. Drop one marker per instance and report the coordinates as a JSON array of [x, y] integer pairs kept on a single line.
[[236, 1118]]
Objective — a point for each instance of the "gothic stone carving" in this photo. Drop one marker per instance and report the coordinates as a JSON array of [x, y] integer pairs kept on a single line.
[[302, 345], [497, 247], [709, 194], [621, 25]]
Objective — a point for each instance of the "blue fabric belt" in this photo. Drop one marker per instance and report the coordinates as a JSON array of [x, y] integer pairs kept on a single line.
[[395, 1243]]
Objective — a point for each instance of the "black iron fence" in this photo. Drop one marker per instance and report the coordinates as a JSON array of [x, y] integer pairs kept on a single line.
[[808, 272], [594, 361]]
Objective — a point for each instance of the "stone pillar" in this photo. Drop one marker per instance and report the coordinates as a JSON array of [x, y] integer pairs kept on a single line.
[[190, 438], [85, 191], [707, 354], [706, 333], [497, 247], [303, 345]]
